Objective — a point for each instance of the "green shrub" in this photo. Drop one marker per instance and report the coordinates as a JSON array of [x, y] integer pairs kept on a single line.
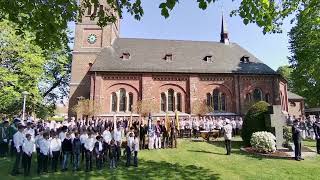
[[287, 136], [254, 121], [263, 142]]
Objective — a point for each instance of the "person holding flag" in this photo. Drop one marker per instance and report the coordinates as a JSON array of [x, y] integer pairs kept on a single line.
[[151, 133]]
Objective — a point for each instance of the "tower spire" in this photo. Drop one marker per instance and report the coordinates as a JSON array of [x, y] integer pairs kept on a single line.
[[224, 35]]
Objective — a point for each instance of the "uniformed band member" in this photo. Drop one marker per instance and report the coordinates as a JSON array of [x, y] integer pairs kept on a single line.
[[316, 127], [112, 154], [28, 148], [129, 148], [228, 135], [76, 151], [4, 138], [296, 137], [66, 151], [135, 150], [89, 146], [44, 146], [99, 152], [55, 150], [18, 139]]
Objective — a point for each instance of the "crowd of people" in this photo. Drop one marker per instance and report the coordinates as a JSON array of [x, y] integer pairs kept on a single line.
[[306, 125]]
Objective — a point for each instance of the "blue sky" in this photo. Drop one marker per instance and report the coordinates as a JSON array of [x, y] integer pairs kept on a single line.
[[188, 22]]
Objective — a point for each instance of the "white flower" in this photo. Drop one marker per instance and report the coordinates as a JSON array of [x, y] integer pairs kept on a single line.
[[263, 141]]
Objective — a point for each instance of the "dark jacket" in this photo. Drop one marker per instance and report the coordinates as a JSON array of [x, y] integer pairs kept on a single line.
[[316, 127], [296, 133], [112, 151], [76, 146], [96, 148], [67, 145]]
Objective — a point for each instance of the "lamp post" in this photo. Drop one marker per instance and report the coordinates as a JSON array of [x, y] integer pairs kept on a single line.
[[24, 93]]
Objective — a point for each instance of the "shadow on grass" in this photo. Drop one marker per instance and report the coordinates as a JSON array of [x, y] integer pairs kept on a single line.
[[146, 170], [207, 152]]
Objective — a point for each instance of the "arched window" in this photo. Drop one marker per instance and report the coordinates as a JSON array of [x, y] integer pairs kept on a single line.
[[123, 100], [209, 100], [89, 10], [267, 98], [163, 102], [130, 101], [171, 100], [114, 101], [178, 101], [223, 102], [257, 95], [215, 97], [248, 98]]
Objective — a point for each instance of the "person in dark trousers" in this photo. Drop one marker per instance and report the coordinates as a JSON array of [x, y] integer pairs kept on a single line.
[[27, 148], [4, 138], [316, 127], [296, 137], [55, 151], [228, 136], [129, 148], [89, 146], [135, 150], [18, 139], [98, 149], [112, 154], [143, 132], [44, 146], [66, 151], [76, 149]]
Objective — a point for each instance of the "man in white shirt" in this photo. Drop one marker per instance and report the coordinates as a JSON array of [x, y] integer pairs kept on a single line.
[[228, 136], [55, 150], [28, 148], [18, 139], [30, 130], [89, 146], [44, 146], [83, 138]]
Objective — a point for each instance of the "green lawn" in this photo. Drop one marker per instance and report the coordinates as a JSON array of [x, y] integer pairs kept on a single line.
[[194, 160]]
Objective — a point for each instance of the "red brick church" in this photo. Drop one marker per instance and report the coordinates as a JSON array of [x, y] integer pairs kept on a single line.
[[117, 72]]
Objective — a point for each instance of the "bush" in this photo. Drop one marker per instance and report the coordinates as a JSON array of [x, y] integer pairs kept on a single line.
[[263, 142], [254, 121], [287, 136]]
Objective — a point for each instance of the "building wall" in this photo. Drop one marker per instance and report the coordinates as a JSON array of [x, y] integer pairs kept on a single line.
[[296, 108], [192, 88]]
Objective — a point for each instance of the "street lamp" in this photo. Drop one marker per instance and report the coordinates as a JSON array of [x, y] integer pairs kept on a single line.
[[24, 93]]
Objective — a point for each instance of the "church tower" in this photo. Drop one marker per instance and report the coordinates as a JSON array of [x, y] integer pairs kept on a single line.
[[89, 40], [224, 35]]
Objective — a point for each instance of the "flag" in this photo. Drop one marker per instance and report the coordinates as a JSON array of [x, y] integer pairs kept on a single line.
[[177, 120], [149, 122], [167, 123]]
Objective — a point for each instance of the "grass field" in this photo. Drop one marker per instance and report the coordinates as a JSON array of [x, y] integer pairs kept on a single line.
[[193, 160]]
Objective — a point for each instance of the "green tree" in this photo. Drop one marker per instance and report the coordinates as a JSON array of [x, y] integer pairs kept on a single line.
[[24, 66], [49, 19], [305, 48], [286, 72]]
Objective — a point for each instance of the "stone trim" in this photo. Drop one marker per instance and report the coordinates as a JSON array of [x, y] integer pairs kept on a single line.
[[169, 78]]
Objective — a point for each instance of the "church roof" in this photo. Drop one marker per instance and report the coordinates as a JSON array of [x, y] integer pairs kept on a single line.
[[148, 55], [293, 96]]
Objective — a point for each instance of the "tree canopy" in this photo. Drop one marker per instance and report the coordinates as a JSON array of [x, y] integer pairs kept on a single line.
[[286, 72], [305, 58], [49, 19]]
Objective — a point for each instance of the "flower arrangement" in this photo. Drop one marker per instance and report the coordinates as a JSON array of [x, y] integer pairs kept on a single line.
[[263, 141]]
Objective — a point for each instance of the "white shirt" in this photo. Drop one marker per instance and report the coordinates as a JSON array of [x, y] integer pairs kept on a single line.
[[38, 139], [136, 144], [62, 136], [227, 132], [100, 146], [28, 147], [83, 138], [130, 142], [18, 139], [117, 135], [55, 145], [29, 131], [44, 146], [89, 144], [107, 136]]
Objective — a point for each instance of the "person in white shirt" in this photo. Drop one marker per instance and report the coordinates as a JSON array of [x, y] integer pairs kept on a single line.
[[44, 146], [118, 140], [63, 134], [55, 151], [129, 148], [89, 146], [28, 148], [135, 150], [38, 138], [228, 136], [83, 138], [18, 139], [30, 130]]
